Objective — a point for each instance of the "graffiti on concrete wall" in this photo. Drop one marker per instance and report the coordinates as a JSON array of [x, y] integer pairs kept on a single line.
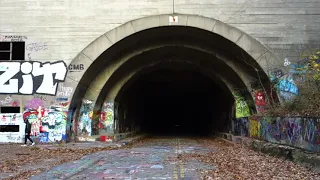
[[64, 91], [54, 126], [34, 103], [254, 127], [311, 62], [308, 67], [37, 46], [13, 38], [294, 131], [285, 83], [47, 125], [241, 126], [76, 67], [260, 100], [242, 107], [9, 101], [107, 116], [31, 77], [85, 122], [287, 87], [16, 134]]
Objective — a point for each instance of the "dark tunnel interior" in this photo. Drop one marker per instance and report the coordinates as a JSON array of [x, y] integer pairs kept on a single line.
[[176, 102]]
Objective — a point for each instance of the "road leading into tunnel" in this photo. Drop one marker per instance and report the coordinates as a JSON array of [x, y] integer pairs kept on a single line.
[[155, 158], [184, 158]]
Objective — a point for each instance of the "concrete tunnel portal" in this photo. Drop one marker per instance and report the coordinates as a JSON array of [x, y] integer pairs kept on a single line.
[[172, 79]]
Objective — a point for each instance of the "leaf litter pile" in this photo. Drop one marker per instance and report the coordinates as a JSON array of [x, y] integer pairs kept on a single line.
[[24, 162], [240, 162], [230, 161]]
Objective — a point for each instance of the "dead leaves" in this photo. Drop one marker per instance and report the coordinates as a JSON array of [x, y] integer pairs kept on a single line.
[[19, 158], [236, 162]]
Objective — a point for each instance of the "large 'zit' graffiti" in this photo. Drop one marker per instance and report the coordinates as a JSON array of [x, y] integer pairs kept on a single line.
[[31, 77]]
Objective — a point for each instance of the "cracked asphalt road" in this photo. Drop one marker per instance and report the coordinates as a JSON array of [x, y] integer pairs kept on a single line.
[[184, 158], [156, 158]]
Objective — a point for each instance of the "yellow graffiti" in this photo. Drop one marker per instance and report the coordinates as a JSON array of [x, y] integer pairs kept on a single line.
[[109, 116], [312, 63], [254, 128], [90, 114]]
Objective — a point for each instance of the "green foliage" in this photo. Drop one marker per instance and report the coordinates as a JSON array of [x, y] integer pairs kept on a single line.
[[307, 103]]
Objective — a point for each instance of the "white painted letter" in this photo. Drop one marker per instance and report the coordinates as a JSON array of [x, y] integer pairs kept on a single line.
[[10, 69]]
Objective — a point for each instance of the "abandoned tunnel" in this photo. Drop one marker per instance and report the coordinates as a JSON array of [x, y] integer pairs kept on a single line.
[[170, 80], [183, 102]]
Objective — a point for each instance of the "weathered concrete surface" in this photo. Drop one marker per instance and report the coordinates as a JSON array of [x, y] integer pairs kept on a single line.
[[306, 159], [152, 160], [254, 48], [68, 26]]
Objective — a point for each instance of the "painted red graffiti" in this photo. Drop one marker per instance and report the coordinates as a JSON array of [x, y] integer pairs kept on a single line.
[[260, 100]]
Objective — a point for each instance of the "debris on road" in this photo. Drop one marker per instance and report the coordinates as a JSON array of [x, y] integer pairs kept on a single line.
[[207, 158], [239, 162]]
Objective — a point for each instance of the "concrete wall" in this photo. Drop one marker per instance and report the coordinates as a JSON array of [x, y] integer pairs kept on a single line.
[[12, 135], [293, 131], [59, 30]]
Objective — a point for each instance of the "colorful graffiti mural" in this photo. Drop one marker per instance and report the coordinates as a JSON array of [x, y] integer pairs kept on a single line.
[[308, 67], [294, 131], [241, 126], [9, 101], [260, 100], [254, 127], [107, 116], [47, 125], [242, 107], [85, 122], [11, 128], [311, 62], [34, 103]]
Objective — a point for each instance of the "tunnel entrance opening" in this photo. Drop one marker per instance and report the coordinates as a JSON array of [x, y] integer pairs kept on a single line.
[[176, 102], [123, 91]]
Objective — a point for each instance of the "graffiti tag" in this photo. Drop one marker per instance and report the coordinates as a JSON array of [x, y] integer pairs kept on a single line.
[[31, 77]]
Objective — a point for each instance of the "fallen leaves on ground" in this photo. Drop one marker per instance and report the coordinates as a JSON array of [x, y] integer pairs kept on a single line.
[[238, 162], [18, 157], [14, 158], [230, 161]]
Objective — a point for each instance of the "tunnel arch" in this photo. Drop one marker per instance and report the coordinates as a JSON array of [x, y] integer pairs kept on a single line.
[[101, 52], [95, 49], [232, 82], [129, 79]]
